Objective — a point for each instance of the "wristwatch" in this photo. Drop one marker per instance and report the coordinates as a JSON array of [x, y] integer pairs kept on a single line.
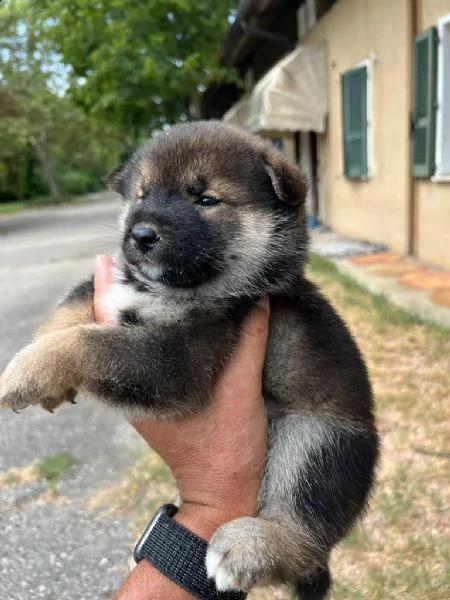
[[180, 555]]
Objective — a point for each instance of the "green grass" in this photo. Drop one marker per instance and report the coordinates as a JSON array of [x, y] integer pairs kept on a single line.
[[7, 208], [55, 466], [401, 550]]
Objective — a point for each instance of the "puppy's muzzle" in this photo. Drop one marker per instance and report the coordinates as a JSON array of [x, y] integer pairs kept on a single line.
[[144, 237]]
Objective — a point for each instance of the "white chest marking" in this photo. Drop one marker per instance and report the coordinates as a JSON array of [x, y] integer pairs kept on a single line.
[[121, 297]]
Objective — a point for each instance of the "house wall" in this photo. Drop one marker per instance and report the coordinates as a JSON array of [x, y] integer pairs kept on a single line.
[[379, 31], [432, 199]]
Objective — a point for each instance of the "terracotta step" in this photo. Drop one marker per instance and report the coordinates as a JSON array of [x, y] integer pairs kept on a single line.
[[393, 269], [378, 257], [442, 297], [426, 279]]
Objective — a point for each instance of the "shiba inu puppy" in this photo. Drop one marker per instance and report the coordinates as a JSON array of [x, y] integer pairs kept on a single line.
[[213, 220]]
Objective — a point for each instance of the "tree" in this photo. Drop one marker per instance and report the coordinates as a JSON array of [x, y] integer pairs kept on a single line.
[[138, 64], [38, 122], [28, 105]]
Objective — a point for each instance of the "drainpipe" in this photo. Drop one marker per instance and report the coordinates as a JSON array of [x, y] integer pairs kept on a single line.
[[411, 19]]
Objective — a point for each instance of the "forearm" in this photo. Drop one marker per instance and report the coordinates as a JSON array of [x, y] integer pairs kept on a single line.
[[145, 582]]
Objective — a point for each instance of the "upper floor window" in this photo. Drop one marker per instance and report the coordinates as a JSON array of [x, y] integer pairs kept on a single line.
[[443, 100], [355, 120], [424, 103], [431, 101]]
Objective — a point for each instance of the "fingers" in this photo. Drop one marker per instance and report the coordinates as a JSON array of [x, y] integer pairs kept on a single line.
[[102, 280]]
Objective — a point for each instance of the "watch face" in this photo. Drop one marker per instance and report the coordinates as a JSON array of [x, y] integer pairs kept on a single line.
[[166, 510]]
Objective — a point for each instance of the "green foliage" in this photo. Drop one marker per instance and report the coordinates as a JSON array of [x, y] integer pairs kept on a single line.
[[48, 145], [75, 182], [81, 83], [138, 64]]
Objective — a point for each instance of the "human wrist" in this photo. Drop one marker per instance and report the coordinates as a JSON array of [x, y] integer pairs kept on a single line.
[[174, 568], [204, 520]]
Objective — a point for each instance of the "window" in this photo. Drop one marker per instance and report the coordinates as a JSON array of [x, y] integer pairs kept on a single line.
[[278, 143], [355, 117], [424, 103], [443, 100]]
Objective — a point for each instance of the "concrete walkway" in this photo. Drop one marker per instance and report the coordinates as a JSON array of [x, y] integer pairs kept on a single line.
[[415, 287]]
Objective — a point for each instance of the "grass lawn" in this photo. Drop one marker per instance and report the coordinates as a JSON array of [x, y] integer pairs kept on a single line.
[[401, 550], [7, 208]]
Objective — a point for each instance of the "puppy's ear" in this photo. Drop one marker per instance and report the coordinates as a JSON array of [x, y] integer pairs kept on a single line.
[[116, 180], [287, 180]]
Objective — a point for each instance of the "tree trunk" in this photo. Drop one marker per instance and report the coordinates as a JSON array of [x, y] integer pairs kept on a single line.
[[41, 151]]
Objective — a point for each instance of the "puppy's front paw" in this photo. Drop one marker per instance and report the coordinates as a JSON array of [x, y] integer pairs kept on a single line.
[[30, 378], [237, 555]]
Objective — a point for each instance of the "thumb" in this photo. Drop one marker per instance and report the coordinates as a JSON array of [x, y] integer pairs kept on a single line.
[[102, 280]]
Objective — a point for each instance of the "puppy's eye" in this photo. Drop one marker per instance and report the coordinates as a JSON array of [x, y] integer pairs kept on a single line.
[[207, 201]]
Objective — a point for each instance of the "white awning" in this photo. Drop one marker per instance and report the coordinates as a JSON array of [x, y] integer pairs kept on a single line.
[[292, 96]]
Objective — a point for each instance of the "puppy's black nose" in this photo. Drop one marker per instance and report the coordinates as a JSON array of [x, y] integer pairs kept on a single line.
[[144, 237]]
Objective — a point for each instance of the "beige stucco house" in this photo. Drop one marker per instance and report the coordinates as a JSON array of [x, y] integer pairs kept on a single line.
[[357, 92]]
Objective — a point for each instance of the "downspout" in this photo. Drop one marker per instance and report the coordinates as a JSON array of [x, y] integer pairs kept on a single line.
[[411, 208]]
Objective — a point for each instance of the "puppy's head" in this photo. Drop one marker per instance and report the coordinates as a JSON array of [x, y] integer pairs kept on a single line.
[[211, 209]]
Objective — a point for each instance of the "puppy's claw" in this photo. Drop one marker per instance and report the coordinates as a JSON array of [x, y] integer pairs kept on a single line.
[[49, 404]]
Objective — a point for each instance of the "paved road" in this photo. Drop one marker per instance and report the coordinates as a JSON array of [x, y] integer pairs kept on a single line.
[[57, 551]]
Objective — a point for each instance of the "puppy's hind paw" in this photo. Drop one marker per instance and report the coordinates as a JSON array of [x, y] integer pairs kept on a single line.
[[236, 557]]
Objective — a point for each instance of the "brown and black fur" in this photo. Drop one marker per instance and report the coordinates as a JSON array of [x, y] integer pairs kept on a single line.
[[226, 212]]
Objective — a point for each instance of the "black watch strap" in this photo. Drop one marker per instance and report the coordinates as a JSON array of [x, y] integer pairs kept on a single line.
[[180, 555]]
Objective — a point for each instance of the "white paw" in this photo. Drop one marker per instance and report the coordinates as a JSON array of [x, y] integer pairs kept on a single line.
[[217, 570], [236, 557]]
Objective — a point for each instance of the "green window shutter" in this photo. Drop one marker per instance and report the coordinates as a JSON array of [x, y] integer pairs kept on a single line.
[[424, 103], [354, 114]]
